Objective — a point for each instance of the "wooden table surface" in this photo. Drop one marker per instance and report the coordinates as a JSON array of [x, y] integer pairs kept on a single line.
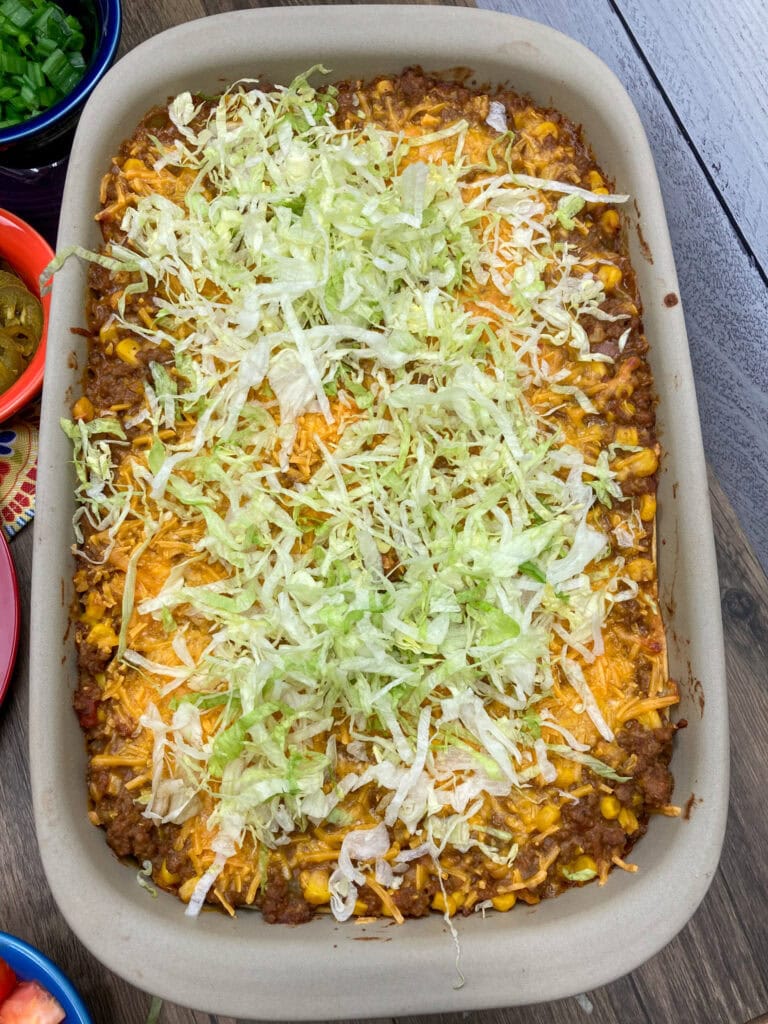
[[699, 82]]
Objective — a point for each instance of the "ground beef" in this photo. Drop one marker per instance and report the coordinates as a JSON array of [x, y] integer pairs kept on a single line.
[[110, 381], [282, 901], [90, 658], [86, 702], [650, 751], [128, 832], [527, 862], [585, 830]]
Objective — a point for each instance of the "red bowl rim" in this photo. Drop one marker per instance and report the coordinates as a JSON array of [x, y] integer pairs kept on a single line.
[[10, 628], [31, 381]]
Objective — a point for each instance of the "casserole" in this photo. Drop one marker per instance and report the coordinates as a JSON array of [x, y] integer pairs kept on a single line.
[[676, 859], [426, 686]]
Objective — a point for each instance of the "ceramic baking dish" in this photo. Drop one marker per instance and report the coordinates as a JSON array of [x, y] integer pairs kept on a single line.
[[244, 967]]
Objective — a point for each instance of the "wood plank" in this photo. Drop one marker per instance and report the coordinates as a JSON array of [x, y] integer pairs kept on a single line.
[[725, 300], [710, 63], [142, 20]]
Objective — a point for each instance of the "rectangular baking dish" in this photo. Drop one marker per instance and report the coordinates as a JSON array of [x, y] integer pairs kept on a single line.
[[585, 938]]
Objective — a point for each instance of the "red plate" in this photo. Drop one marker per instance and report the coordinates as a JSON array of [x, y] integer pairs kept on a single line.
[[9, 616]]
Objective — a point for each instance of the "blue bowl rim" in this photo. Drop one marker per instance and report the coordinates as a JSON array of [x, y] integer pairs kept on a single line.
[[105, 54], [76, 1011]]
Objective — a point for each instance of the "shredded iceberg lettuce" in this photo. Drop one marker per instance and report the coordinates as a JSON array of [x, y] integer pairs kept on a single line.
[[417, 576]]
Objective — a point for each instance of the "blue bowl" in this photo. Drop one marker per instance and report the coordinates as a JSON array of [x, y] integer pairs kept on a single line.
[[33, 154], [30, 965], [101, 21]]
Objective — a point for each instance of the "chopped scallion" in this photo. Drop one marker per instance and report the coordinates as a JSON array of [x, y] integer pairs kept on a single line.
[[41, 58]]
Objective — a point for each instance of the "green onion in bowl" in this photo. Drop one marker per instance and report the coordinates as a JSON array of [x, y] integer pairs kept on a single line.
[[41, 58]]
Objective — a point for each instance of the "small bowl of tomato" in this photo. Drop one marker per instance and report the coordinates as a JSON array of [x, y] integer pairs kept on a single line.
[[32, 988]]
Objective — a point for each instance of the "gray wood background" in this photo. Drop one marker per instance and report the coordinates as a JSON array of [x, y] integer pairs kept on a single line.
[[697, 74]]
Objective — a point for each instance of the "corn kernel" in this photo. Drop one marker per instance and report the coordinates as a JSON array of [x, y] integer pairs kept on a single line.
[[601, 190], [541, 131], [609, 222], [644, 463], [505, 902], [595, 180], [547, 817], [361, 909], [93, 609], [628, 820], [314, 885], [108, 334], [647, 507], [453, 902], [641, 570], [626, 435], [83, 409], [610, 807], [567, 774], [610, 276], [127, 349], [584, 863], [133, 165], [165, 877], [187, 888], [102, 636]]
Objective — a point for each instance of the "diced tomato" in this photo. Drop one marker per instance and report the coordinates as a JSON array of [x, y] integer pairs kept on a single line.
[[7, 980], [31, 1004]]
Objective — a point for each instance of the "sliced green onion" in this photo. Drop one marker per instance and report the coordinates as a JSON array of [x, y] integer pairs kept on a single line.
[[35, 75], [18, 12], [41, 57], [12, 65]]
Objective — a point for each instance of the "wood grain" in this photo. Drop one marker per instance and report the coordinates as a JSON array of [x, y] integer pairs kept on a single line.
[[710, 63], [715, 971], [142, 19]]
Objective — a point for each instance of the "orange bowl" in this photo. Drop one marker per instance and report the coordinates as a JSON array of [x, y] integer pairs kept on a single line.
[[29, 254]]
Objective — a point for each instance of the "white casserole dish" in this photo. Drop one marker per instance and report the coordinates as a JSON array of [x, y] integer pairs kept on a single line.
[[246, 968]]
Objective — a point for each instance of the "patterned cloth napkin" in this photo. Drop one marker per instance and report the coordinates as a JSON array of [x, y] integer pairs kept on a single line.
[[18, 470]]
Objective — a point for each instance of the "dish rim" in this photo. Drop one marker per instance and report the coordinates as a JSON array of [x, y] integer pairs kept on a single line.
[[359, 994]]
